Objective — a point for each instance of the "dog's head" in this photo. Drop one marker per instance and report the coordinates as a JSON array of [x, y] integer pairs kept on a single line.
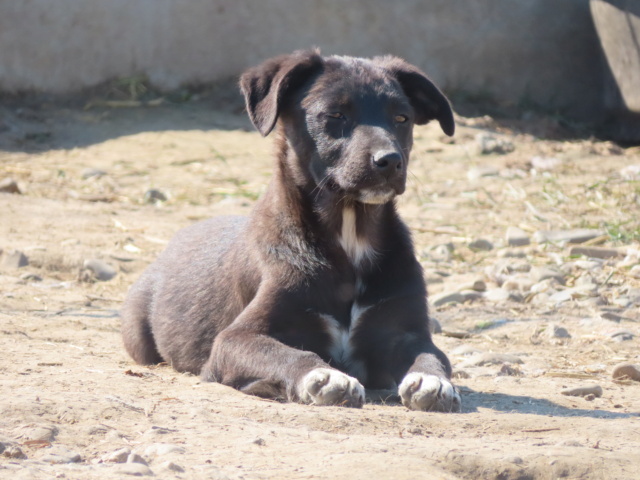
[[348, 120]]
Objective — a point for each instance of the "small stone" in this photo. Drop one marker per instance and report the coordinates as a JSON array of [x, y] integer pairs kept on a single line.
[[30, 277], [98, 270], [590, 398], [119, 456], [15, 259], [13, 451], [515, 460], [9, 185], [488, 144], [135, 458], [509, 371], [59, 455], [45, 433], [133, 469], [631, 172], [475, 173], [555, 331], [622, 335], [481, 245], [442, 253], [497, 295], [538, 274], [569, 443], [512, 252], [579, 235], [434, 326], [635, 271], [516, 237], [583, 391], [545, 164], [464, 350], [611, 316], [172, 467], [622, 302], [154, 195], [444, 298], [624, 371], [259, 441], [92, 173], [595, 252], [159, 449], [483, 359]]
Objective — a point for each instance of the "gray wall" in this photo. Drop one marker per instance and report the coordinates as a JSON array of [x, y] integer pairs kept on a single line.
[[533, 51]]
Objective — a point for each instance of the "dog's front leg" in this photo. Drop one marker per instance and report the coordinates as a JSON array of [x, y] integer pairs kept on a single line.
[[245, 357], [426, 385]]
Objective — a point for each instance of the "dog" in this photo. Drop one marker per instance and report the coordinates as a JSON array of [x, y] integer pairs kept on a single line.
[[317, 294]]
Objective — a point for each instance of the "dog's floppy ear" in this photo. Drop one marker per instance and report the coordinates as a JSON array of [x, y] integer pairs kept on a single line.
[[264, 87], [426, 99]]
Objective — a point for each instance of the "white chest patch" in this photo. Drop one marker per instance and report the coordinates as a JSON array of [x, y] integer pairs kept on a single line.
[[341, 348], [356, 248]]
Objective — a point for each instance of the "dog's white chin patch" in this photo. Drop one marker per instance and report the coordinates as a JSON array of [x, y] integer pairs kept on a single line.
[[325, 386], [375, 197], [429, 393]]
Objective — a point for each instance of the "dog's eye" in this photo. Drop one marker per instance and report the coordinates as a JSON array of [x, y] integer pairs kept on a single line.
[[336, 115], [400, 118]]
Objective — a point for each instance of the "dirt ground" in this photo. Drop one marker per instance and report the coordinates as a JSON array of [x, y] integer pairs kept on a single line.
[[71, 399]]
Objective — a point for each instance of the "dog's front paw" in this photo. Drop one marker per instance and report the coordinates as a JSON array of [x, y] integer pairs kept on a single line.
[[429, 393], [324, 386]]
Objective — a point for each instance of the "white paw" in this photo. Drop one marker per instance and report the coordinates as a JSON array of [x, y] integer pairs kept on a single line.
[[429, 393], [324, 386]]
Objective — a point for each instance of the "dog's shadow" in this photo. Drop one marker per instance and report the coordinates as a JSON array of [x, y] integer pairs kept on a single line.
[[505, 403]]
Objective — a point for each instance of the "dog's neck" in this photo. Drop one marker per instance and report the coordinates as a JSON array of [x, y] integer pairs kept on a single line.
[[323, 218]]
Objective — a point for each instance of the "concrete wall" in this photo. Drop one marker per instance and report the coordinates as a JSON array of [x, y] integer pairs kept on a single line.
[[536, 51]]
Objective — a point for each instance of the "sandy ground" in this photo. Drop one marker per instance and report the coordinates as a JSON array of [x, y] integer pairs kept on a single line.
[[71, 399]]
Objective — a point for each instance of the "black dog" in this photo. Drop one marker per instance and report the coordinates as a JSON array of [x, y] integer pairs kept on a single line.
[[322, 278]]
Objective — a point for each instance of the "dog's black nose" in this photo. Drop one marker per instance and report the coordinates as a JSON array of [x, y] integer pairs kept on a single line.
[[388, 162]]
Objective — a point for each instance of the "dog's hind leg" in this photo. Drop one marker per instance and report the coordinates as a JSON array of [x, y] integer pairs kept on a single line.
[[136, 330]]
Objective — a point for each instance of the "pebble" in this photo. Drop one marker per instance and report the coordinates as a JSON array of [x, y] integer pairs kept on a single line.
[[444, 298], [92, 173], [507, 370], [596, 252], [635, 271], [497, 295], [512, 253], [475, 173], [153, 195], [555, 331], [464, 350], [538, 274], [579, 235], [173, 467], [595, 390], [133, 469], [441, 253], [59, 455], [45, 433], [15, 259], [119, 456], [159, 449], [434, 326], [631, 172], [622, 335], [515, 460], [135, 458], [545, 164], [98, 270], [9, 185], [488, 144], [516, 237], [13, 451], [483, 359], [481, 244], [626, 370]]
